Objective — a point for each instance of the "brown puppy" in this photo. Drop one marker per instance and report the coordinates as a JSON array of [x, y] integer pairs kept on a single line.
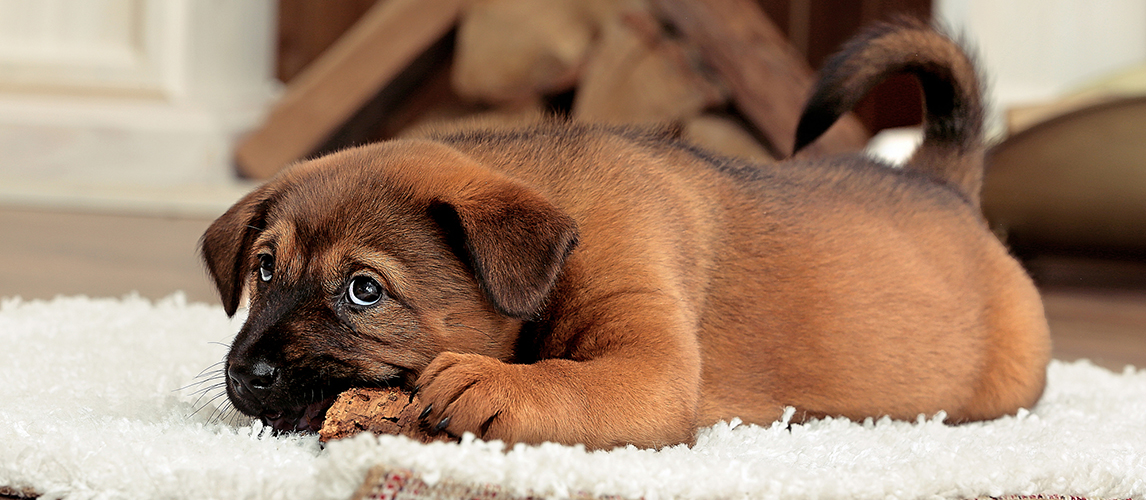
[[606, 286]]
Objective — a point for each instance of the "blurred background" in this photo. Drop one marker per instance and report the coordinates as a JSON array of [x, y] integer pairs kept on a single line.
[[126, 126]]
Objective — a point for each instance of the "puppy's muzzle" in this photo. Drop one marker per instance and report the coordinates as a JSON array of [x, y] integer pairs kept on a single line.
[[252, 388]]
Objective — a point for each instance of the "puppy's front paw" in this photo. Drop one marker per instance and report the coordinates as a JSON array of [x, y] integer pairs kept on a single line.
[[473, 393]]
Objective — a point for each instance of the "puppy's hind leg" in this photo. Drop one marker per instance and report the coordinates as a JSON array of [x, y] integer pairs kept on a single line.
[[1017, 351]]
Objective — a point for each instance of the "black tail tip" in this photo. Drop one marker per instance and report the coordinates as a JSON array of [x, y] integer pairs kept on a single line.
[[815, 120]]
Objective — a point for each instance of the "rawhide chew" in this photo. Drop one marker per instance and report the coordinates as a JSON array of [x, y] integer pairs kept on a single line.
[[377, 410]]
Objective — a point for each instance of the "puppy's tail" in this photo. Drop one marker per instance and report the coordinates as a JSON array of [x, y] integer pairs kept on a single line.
[[952, 148]]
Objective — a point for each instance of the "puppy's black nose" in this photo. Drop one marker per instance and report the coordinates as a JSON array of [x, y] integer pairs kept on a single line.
[[254, 380]]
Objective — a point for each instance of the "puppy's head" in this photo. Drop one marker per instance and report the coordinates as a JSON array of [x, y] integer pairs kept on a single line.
[[362, 266]]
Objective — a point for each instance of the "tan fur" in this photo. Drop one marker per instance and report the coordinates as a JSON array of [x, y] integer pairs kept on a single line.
[[609, 286]]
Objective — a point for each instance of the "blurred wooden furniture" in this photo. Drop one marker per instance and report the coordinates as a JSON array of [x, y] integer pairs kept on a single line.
[[767, 77], [328, 92], [693, 64]]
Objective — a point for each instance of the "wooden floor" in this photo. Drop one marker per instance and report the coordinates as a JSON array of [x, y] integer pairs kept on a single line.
[[44, 254]]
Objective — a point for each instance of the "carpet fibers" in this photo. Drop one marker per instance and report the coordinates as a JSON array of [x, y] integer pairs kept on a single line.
[[100, 399]]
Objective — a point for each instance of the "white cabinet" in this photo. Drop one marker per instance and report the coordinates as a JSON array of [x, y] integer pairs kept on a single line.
[[130, 92]]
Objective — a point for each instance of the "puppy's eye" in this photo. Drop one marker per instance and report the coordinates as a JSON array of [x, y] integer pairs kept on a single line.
[[266, 266], [364, 291]]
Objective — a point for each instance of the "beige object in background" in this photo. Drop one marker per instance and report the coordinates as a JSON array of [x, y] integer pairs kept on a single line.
[[637, 74], [510, 50], [1073, 181], [724, 136], [1120, 85]]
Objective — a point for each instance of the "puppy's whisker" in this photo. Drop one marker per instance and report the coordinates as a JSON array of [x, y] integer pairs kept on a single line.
[[214, 418], [205, 391], [228, 416], [227, 412], [211, 374], [204, 379], [205, 405], [208, 369], [193, 384], [218, 412], [214, 398], [198, 385], [213, 378]]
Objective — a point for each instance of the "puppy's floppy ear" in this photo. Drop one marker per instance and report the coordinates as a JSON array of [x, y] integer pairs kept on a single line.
[[225, 244], [515, 241]]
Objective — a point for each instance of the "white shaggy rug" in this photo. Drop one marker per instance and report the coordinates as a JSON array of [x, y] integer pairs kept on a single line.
[[91, 407]]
